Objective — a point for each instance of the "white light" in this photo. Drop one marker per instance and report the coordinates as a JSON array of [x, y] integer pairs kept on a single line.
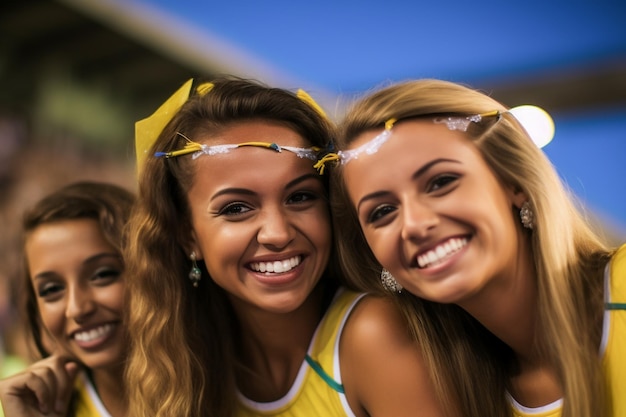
[[537, 123]]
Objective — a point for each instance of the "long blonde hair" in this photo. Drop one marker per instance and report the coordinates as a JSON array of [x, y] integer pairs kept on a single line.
[[568, 260], [181, 361]]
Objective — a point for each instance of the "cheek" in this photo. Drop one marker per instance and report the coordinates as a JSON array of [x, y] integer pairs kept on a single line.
[[113, 297], [51, 315], [317, 226], [216, 255], [238, 236], [381, 245], [324, 242]]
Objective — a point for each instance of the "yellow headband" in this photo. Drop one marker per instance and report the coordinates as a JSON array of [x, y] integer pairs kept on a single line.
[[148, 130], [537, 122]]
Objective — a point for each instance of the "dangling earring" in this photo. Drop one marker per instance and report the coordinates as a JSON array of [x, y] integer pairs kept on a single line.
[[389, 282], [527, 216], [195, 275]]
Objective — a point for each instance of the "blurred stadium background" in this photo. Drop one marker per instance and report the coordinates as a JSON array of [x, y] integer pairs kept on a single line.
[[76, 74]]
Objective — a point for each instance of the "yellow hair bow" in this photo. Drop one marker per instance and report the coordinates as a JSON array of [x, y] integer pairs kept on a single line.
[[148, 130], [304, 96]]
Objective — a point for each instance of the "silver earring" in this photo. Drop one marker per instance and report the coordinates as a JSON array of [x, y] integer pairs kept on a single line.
[[195, 275], [389, 282], [527, 216]]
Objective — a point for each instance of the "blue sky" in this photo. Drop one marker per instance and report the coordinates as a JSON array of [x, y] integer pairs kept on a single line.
[[347, 47]]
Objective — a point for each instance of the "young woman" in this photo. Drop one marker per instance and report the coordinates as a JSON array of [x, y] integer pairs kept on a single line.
[[73, 302], [443, 187], [234, 303]]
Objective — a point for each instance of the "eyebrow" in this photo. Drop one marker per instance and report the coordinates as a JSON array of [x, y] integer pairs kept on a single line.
[[246, 191], [91, 259], [99, 256], [415, 176]]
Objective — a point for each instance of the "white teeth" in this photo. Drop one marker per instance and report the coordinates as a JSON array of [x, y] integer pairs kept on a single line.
[[277, 267], [93, 334], [441, 252]]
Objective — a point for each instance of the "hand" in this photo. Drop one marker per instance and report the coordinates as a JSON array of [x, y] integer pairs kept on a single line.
[[43, 389]]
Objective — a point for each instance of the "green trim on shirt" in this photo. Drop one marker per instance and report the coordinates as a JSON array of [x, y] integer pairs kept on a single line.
[[327, 378]]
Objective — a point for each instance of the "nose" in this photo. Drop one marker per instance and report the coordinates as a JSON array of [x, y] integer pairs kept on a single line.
[[80, 303], [276, 230], [418, 219]]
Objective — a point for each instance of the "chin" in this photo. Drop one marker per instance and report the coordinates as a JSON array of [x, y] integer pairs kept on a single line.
[[103, 361]]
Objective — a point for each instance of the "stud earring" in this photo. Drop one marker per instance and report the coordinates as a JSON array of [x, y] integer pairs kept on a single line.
[[527, 216], [195, 275], [389, 282]]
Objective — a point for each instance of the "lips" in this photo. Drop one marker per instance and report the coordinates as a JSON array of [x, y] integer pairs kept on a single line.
[[277, 266], [95, 336], [441, 252]]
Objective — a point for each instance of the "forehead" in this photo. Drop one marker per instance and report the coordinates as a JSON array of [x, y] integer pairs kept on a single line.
[[255, 130], [250, 164], [73, 230], [413, 143], [418, 137], [64, 243]]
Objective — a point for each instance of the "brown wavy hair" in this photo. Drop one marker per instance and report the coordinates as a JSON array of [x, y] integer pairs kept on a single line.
[[108, 204]]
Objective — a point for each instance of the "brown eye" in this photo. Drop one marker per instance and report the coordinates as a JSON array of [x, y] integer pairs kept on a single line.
[[49, 289], [441, 181], [104, 276], [234, 209], [301, 197], [380, 212]]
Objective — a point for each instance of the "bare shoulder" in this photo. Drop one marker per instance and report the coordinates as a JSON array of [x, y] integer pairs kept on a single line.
[[382, 368], [374, 318]]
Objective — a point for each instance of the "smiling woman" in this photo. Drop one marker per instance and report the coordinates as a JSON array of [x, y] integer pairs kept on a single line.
[[73, 301], [236, 307], [509, 292]]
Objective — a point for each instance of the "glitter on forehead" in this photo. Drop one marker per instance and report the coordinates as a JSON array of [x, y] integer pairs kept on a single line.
[[371, 147], [148, 130], [537, 122], [308, 153], [452, 123], [458, 123]]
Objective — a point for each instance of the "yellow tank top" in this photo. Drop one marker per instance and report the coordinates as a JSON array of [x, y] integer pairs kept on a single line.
[[88, 403], [9, 365], [614, 335], [317, 390], [612, 350]]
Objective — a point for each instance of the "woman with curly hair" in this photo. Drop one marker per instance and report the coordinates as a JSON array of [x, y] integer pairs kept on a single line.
[[73, 302], [235, 302]]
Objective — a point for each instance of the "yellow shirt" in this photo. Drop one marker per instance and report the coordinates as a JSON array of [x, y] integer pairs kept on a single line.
[[612, 350], [317, 390], [9, 365], [88, 403], [614, 335]]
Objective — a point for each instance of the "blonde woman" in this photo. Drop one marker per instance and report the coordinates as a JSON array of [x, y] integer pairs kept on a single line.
[[516, 303]]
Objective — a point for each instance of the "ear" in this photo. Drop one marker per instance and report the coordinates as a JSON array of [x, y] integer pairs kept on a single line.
[[193, 246], [516, 196]]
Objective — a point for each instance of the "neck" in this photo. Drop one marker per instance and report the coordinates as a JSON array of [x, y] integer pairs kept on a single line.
[[507, 306], [273, 347], [110, 386]]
